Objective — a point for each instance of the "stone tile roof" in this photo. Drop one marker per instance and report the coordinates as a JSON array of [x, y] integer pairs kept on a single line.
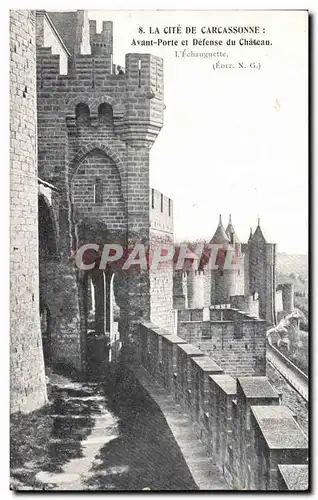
[[220, 235], [65, 25]]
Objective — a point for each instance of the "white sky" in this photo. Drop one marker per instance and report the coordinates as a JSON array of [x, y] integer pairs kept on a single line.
[[233, 141]]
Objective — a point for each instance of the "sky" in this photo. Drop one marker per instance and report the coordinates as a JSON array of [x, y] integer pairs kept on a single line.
[[233, 141]]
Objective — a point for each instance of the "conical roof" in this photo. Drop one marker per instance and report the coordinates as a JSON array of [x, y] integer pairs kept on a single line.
[[220, 235], [258, 234], [230, 231]]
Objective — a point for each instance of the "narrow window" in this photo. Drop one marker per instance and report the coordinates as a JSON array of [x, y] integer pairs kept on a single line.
[[238, 331], [139, 72], [152, 198], [169, 207], [161, 202], [156, 75], [98, 191]]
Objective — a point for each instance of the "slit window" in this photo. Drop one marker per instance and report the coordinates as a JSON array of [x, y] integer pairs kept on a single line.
[[161, 202], [169, 207], [238, 331], [98, 191], [139, 72], [152, 198]]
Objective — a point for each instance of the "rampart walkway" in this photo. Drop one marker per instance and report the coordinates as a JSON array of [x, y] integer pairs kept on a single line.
[[111, 437]]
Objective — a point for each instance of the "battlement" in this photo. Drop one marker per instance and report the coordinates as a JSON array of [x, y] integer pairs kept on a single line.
[[143, 73], [161, 212], [236, 419], [101, 43], [221, 313]]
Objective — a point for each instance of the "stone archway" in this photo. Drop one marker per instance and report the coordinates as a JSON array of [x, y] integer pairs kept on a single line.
[[48, 254]]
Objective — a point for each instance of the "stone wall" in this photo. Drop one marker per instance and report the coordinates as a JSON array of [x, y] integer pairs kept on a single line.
[[287, 291], [161, 276], [95, 131], [27, 376], [196, 289], [237, 419], [262, 277], [235, 340]]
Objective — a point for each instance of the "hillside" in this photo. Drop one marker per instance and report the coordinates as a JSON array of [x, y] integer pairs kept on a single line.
[[287, 264]]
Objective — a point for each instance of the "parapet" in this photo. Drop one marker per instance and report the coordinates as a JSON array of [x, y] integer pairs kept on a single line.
[[251, 437], [280, 430], [161, 212], [257, 387], [101, 43], [293, 477]]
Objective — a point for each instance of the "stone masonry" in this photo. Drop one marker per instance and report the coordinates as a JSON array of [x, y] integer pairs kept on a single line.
[[28, 390]]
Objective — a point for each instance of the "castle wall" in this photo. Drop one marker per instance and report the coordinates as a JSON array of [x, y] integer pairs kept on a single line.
[[101, 43], [180, 291], [195, 286], [161, 278], [27, 375], [226, 282], [248, 304], [236, 341], [47, 37], [262, 277], [279, 301], [222, 409], [95, 130], [287, 292], [99, 172]]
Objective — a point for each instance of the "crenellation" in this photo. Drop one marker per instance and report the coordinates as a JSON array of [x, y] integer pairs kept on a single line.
[[233, 417]]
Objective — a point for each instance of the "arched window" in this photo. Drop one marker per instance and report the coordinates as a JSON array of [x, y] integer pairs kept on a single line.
[[105, 113], [82, 114]]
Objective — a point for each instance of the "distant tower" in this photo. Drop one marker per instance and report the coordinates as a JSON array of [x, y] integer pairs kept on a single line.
[[222, 280], [234, 240], [262, 273], [287, 296], [239, 259]]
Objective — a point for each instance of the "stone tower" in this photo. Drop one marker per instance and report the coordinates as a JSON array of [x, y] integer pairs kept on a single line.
[[96, 126], [262, 273], [27, 376], [222, 279], [238, 259]]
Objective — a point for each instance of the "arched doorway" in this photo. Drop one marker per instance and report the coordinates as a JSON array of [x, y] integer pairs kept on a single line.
[[101, 315], [47, 254]]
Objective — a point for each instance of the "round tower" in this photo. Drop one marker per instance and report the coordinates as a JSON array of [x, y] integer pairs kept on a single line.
[[287, 297], [195, 287], [223, 278], [27, 375]]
